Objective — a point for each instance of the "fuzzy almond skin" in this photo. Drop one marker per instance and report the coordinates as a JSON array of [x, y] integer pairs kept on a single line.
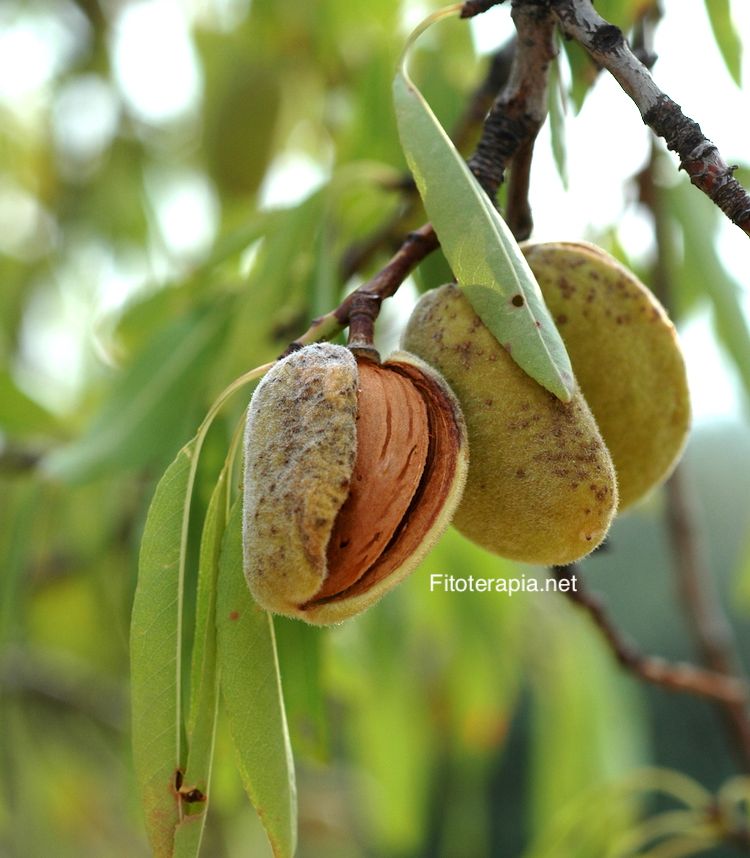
[[300, 449], [541, 486], [433, 510], [626, 358]]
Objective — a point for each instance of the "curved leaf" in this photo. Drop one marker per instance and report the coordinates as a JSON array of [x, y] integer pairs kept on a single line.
[[201, 720], [155, 653], [156, 643], [727, 38], [147, 406], [251, 690], [698, 218], [480, 248]]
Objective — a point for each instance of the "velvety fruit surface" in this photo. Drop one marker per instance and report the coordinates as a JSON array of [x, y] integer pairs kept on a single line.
[[626, 358], [541, 486]]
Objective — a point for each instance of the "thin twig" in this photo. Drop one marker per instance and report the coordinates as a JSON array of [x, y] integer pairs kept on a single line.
[[62, 682], [415, 247], [675, 676], [699, 157]]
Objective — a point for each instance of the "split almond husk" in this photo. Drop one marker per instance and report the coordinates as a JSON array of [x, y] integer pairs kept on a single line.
[[353, 469]]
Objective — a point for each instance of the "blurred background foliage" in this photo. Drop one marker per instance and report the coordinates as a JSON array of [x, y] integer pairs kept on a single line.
[[180, 180]]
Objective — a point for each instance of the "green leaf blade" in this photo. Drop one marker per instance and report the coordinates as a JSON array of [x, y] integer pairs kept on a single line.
[[727, 38], [155, 654], [251, 691], [146, 408], [301, 658], [479, 246], [201, 719], [698, 219]]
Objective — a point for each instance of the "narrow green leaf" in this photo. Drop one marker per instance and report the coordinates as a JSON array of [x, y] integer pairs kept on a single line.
[[155, 653], [556, 100], [201, 720], [480, 248], [300, 649], [146, 409], [274, 291], [698, 218], [583, 73], [727, 38], [156, 641], [251, 690], [203, 666]]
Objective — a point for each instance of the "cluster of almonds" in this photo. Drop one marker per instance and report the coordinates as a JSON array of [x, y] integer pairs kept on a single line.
[[354, 468]]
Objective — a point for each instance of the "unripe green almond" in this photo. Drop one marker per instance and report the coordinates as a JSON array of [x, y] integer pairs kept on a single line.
[[352, 470], [541, 486], [626, 358]]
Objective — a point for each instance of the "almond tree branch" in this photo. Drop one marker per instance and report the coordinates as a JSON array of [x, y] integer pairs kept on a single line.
[[520, 110], [675, 676], [517, 116], [699, 157]]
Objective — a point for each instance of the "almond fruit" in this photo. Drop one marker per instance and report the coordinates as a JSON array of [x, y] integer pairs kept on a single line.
[[541, 486], [626, 358], [353, 469]]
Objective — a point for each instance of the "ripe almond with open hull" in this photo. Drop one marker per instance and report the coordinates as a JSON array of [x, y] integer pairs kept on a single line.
[[353, 469], [626, 358], [541, 486]]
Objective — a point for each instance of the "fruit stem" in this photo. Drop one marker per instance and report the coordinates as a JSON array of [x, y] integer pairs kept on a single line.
[[365, 308]]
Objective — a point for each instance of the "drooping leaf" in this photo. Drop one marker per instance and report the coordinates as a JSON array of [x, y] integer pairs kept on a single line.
[[272, 306], [300, 648], [433, 272], [201, 719], [155, 654], [583, 72], [146, 408], [698, 218], [557, 123], [727, 37], [623, 13], [251, 691], [480, 248]]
